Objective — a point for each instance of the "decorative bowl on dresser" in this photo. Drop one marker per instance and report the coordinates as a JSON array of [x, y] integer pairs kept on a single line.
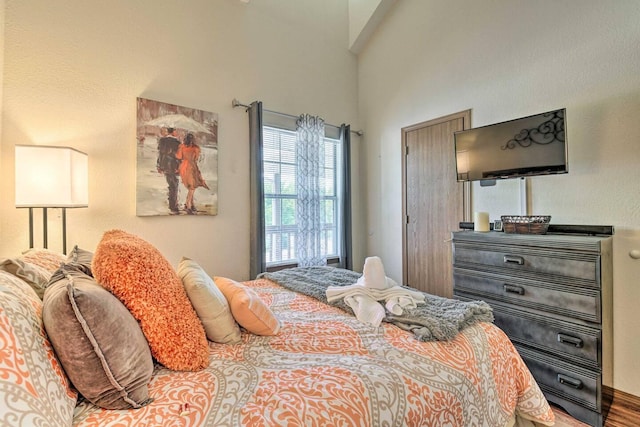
[[552, 295]]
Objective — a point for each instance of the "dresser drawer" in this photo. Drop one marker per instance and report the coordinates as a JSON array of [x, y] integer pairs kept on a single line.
[[563, 339], [561, 379], [566, 301], [583, 269]]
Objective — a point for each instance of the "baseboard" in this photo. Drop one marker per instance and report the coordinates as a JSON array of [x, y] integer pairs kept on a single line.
[[626, 399], [625, 409]]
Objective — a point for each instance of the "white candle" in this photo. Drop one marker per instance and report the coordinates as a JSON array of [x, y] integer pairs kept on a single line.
[[481, 221]]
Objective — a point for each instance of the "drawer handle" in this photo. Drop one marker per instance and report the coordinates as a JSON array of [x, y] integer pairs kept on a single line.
[[568, 339], [571, 382], [514, 289], [513, 259]]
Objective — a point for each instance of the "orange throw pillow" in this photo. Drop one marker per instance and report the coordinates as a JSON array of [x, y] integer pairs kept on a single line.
[[247, 307], [146, 283]]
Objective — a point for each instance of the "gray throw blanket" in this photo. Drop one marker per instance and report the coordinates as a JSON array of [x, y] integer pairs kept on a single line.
[[440, 319]]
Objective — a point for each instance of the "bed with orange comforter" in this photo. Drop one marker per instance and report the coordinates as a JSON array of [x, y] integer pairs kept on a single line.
[[325, 368]]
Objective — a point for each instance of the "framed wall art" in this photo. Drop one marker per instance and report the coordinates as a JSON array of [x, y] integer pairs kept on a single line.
[[177, 160]]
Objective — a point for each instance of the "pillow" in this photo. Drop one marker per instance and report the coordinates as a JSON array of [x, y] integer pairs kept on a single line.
[[82, 258], [247, 307], [34, 390], [99, 343], [137, 273], [34, 275], [210, 305], [45, 258]]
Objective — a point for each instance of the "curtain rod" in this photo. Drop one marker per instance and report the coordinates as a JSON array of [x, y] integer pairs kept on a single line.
[[235, 103]]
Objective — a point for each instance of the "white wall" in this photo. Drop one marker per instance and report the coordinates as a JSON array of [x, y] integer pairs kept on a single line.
[[73, 70], [506, 59], [364, 17]]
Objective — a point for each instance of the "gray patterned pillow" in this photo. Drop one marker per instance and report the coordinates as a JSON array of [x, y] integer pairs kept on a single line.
[[45, 258], [34, 275], [34, 391]]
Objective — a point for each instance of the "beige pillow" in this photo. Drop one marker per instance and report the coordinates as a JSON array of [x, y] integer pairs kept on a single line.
[[99, 343], [247, 307], [210, 304]]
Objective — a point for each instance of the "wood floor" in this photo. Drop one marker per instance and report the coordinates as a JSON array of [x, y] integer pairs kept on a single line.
[[624, 412]]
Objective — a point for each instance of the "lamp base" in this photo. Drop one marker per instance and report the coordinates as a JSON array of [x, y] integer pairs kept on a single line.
[[45, 232]]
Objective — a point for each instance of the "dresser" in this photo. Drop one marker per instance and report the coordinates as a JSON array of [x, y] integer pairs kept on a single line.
[[552, 295]]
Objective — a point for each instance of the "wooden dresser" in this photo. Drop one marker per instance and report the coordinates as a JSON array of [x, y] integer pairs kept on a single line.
[[552, 296]]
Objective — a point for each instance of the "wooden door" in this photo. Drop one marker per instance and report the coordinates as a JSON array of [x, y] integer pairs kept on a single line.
[[433, 202]]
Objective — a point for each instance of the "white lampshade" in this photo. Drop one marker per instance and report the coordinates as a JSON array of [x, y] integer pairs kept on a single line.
[[51, 177]]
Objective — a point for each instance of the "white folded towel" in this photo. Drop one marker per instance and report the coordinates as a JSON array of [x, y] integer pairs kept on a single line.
[[371, 287], [366, 309], [397, 304], [373, 274]]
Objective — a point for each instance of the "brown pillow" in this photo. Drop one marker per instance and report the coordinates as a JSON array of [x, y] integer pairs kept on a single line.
[[81, 258], [137, 273], [98, 342]]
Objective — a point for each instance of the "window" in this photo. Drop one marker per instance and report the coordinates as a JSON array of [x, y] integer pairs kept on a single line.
[[273, 160], [279, 186]]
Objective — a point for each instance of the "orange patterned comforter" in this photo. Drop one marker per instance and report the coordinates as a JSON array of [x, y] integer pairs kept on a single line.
[[327, 369]]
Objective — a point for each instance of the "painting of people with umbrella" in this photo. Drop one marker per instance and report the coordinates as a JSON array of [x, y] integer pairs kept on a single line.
[[177, 160]]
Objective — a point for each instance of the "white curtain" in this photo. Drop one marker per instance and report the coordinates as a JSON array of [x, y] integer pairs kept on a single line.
[[310, 174]]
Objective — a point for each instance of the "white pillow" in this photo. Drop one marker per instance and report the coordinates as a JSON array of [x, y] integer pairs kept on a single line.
[[210, 304]]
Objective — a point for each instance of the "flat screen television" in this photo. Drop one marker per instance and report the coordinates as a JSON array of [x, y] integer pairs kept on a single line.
[[529, 146]]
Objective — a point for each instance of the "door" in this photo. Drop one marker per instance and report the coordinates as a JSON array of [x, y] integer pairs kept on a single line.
[[433, 202]]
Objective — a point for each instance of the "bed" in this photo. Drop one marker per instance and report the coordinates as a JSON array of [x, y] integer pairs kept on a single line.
[[326, 368], [322, 368]]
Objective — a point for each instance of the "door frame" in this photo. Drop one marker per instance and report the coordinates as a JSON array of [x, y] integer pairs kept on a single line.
[[466, 189]]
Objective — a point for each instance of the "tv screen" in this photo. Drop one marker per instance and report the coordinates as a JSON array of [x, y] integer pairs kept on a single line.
[[529, 146]]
